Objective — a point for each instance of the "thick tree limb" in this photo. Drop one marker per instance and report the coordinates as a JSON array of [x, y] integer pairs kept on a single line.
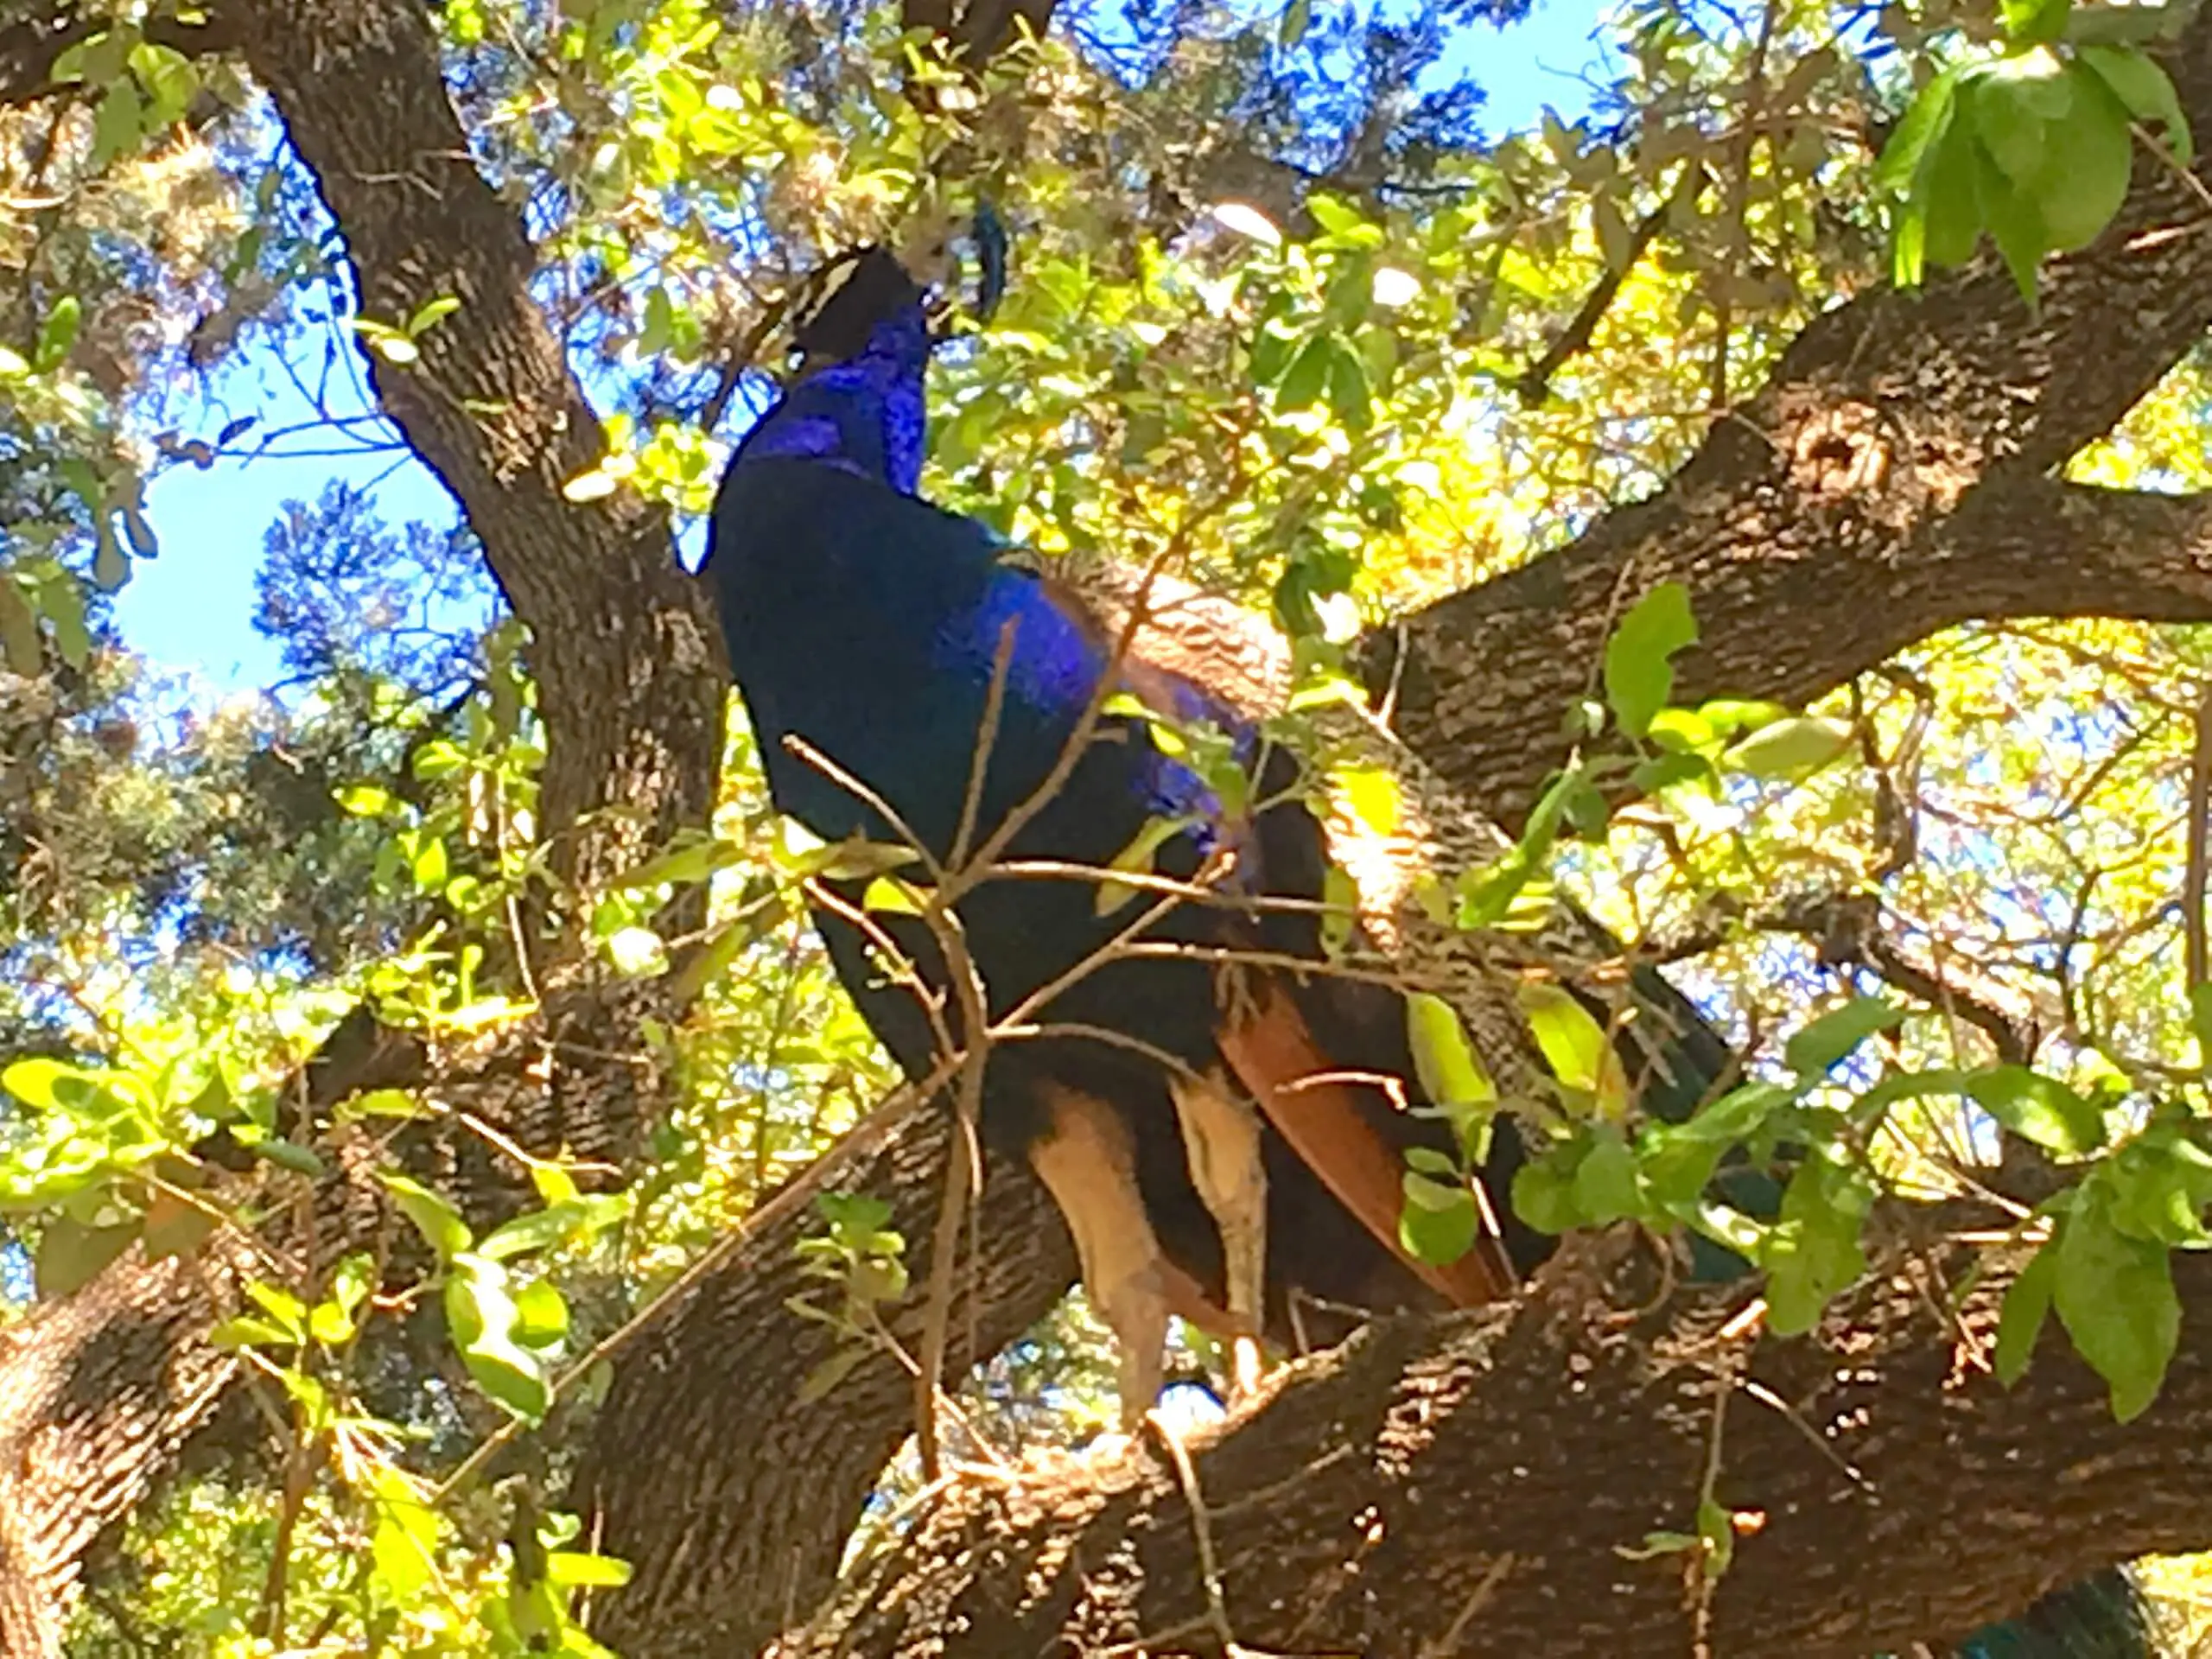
[[1872, 492], [1481, 1484], [98, 1393], [629, 664], [730, 1487]]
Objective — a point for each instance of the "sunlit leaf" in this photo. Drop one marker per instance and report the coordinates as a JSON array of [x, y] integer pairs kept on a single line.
[[2115, 1296], [1639, 657]]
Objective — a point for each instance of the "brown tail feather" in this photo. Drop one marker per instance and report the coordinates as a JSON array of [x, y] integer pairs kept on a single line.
[[1274, 1055]]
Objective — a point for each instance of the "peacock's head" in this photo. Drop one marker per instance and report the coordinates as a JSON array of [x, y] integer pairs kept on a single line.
[[864, 343], [874, 296]]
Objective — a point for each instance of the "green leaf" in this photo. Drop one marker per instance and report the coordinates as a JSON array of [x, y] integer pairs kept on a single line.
[[2013, 222], [1135, 859], [2027, 1300], [288, 1310], [482, 1313], [540, 1228], [365, 800], [71, 1256], [117, 124], [1639, 657], [50, 1086], [171, 80], [682, 866], [58, 334], [890, 895], [1738, 1115], [1790, 748], [2115, 1296], [1573, 1044], [1836, 1034], [2144, 90], [276, 1149], [405, 1547], [434, 1217], [541, 1315], [1543, 1190], [1716, 1530], [2039, 1108], [2080, 188], [1338, 217], [1351, 397], [1439, 1222], [245, 1330], [63, 601], [384, 1102], [1307, 377], [1925, 123], [1445, 1061], [430, 865], [2011, 106], [2034, 23], [1812, 1251], [433, 312], [330, 1325], [577, 1570], [19, 636], [848, 860], [1951, 197], [1605, 1186]]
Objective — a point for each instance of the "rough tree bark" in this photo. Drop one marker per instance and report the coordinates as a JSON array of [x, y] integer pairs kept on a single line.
[[101, 1389], [1885, 478], [1485, 1483]]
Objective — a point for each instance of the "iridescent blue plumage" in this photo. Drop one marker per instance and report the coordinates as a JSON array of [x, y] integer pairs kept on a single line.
[[863, 414]]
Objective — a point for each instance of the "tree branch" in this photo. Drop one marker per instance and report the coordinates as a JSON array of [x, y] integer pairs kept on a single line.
[[1847, 931], [1516, 1461], [1841, 512], [628, 660]]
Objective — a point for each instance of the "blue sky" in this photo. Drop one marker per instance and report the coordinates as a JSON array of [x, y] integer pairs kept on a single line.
[[191, 609]]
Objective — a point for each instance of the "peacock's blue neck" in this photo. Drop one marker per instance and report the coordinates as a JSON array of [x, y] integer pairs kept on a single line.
[[863, 415]]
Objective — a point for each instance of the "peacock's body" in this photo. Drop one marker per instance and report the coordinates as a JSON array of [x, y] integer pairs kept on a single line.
[[1169, 1103]]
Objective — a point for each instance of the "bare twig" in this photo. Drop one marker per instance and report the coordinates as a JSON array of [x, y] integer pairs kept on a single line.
[[2197, 957]]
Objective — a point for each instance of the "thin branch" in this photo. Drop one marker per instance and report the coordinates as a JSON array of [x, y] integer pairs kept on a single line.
[[2197, 957]]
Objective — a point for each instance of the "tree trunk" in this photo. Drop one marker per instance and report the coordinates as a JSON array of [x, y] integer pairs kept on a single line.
[[628, 660], [710, 1460], [100, 1389], [96, 1393]]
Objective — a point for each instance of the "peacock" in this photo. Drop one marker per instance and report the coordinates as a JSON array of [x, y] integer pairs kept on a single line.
[[1222, 1118]]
